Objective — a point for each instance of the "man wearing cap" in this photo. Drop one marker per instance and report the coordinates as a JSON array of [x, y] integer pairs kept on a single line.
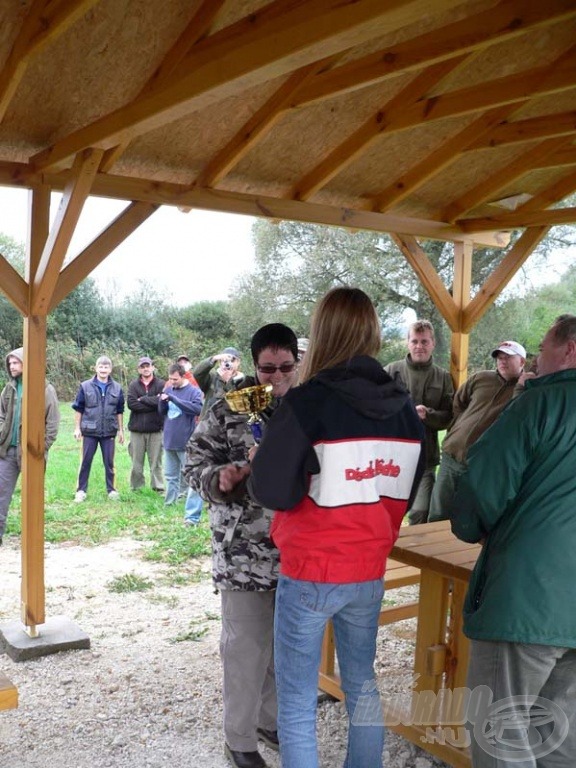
[[145, 426], [215, 383], [187, 365], [477, 405]]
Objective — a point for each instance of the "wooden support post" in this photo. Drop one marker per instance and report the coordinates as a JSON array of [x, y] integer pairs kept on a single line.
[[461, 296], [33, 428]]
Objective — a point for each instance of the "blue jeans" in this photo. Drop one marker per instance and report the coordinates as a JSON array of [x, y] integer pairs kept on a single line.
[[302, 611], [193, 506], [175, 483]]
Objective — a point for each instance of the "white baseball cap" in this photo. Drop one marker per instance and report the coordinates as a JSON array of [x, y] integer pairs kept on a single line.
[[510, 348]]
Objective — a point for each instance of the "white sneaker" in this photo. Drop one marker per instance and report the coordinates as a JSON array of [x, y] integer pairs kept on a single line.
[[114, 495], [80, 496]]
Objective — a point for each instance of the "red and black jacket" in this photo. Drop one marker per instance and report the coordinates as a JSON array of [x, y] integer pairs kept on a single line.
[[339, 461]]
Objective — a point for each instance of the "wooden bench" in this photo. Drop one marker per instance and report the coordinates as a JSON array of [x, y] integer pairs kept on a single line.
[[8, 693], [397, 575]]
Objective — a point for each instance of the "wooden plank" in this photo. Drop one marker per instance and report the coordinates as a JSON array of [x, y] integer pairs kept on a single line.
[[8, 693], [461, 295], [38, 227], [516, 219], [428, 276], [431, 627], [529, 129], [242, 57], [501, 276], [95, 253], [73, 199], [393, 613], [13, 286]]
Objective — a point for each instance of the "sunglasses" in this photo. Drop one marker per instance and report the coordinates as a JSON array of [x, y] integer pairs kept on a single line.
[[270, 369]]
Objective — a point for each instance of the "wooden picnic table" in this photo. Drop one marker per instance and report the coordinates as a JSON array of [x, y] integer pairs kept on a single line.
[[441, 655]]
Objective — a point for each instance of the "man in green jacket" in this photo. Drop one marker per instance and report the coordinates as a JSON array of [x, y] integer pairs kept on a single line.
[[432, 391], [11, 429], [518, 497]]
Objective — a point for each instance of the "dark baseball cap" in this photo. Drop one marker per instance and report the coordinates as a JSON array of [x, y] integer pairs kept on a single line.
[[232, 351], [144, 361]]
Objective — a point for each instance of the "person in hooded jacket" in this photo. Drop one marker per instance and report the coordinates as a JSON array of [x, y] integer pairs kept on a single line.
[[339, 461], [11, 429]]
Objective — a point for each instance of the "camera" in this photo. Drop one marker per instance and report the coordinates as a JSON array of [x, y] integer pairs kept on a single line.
[[227, 365]]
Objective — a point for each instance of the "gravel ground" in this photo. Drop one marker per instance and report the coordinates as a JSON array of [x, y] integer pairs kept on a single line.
[[147, 692]]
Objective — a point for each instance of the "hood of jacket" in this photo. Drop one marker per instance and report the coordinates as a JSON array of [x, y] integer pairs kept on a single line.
[[19, 353], [366, 387]]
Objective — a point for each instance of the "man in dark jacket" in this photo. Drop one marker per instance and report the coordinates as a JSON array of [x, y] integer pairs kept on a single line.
[[145, 426], [11, 429], [99, 407], [518, 497], [432, 391]]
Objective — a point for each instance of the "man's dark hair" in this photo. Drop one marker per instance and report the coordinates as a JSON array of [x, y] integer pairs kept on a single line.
[[276, 336], [565, 328], [176, 368]]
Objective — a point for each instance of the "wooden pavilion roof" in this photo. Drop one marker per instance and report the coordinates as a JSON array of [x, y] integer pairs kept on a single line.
[[409, 116]]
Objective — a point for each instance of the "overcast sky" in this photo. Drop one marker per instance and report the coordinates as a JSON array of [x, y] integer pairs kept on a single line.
[[189, 256]]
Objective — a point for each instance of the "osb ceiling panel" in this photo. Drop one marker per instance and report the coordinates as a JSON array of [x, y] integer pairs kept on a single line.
[[366, 113]]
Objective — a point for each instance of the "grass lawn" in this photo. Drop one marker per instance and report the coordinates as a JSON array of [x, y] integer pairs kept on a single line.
[[138, 514]]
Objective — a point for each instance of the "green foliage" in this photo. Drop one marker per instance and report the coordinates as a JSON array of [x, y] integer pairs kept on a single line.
[[140, 515], [129, 582]]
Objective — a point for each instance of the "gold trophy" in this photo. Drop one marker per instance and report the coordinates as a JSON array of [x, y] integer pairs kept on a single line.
[[251, 400]]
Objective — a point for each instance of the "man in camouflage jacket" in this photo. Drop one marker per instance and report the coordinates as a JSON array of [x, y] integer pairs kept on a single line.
[[245, 562]]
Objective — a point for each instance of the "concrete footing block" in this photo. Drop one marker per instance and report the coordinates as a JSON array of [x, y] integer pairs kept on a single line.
[[56, 635]]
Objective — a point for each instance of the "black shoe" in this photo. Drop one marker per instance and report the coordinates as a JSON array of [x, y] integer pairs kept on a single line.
[[270, 738], [244, 759]]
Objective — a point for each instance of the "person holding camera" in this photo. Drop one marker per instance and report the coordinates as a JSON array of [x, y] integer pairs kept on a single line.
[[215, 382]]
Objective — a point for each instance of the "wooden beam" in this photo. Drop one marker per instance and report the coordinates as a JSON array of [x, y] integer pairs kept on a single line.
[[45, 21], [429, 278], [195, 30], [488, 188], [73, 199], [258, 126], [243, 57], [13, 286], [33, 604], [38, 227], [555, 193], [476, 32], [164, 193], [501, 276], [519, 219], [461, 295], [363, 138], [566, 155], [95, 253], [529, 129], [438, 159]]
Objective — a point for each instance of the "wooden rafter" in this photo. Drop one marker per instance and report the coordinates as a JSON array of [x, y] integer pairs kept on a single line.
[[439, 159], [489, 187], [95, 253], [502, 275], [551, 195], [542, 218], [529, 129], [566, 155], [13, 286], [242, 58], [196, 29], [362, 139], [258, 126], [420, 263], [75, 194], [477, 31], [43, 23]]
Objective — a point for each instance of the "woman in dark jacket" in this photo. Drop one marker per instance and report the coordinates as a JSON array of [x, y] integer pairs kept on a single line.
[[339, 461]]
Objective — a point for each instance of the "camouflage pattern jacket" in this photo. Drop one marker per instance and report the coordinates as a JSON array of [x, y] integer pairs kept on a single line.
[[243, 555]]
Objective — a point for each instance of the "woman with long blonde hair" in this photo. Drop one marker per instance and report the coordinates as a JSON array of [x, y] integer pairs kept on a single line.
[[339, 461]]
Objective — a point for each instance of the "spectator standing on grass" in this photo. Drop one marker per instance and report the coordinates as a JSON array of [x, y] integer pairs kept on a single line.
[[179, 405], [432, 390], [99, 407], [216, 382], [11, 429], [145, 426]]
